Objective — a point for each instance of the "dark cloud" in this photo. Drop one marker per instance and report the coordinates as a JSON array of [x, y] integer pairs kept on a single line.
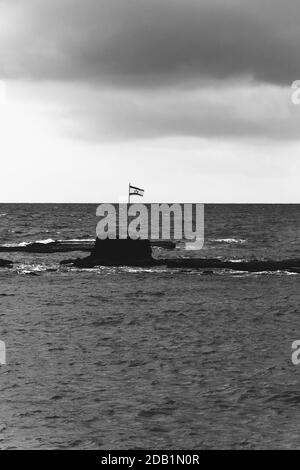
[[151, 43], [136, 69]]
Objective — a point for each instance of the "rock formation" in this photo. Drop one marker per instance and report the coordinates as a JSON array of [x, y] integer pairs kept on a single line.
[[117, 252], [5, 263], [68, 246], [130, 252], [291, 265]]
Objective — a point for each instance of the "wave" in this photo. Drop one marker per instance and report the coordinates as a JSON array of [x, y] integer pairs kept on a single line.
[[201, 267], [23, 244], [48, 241], [48, 245], [34, 270], [229, 240]]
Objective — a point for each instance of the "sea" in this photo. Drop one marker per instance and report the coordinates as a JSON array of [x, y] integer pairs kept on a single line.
[[150, 358]]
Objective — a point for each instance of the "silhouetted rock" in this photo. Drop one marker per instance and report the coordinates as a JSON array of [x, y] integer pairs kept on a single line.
[[4, 263], [139, 253], [65, 246], [291, 265], [117, 253]]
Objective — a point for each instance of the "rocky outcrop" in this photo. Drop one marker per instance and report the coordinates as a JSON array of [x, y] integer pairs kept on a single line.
[[5, 263], [68, 246], [139, 253], [117, 253], [291, 265]]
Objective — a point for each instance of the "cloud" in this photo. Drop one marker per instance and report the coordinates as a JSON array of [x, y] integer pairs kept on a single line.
[[148, 69], [150, 43], [231, 111]]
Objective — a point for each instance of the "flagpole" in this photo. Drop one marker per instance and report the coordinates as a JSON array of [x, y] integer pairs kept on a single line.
[[129, 194]]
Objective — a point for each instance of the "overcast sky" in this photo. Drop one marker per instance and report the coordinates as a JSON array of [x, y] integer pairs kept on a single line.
[[189, 99]]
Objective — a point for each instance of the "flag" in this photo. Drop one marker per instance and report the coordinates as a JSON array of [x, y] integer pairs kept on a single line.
[[134, 191]]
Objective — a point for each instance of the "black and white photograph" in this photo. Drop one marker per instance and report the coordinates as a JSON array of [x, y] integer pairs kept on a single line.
[[149, 228]]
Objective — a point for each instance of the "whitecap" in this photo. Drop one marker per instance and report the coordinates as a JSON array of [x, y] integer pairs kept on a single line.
[[229, 240]]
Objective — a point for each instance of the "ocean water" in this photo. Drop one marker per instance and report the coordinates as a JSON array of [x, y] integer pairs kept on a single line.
[[123, 358]]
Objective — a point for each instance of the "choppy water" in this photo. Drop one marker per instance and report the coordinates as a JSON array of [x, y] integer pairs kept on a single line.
[[150, 358]]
